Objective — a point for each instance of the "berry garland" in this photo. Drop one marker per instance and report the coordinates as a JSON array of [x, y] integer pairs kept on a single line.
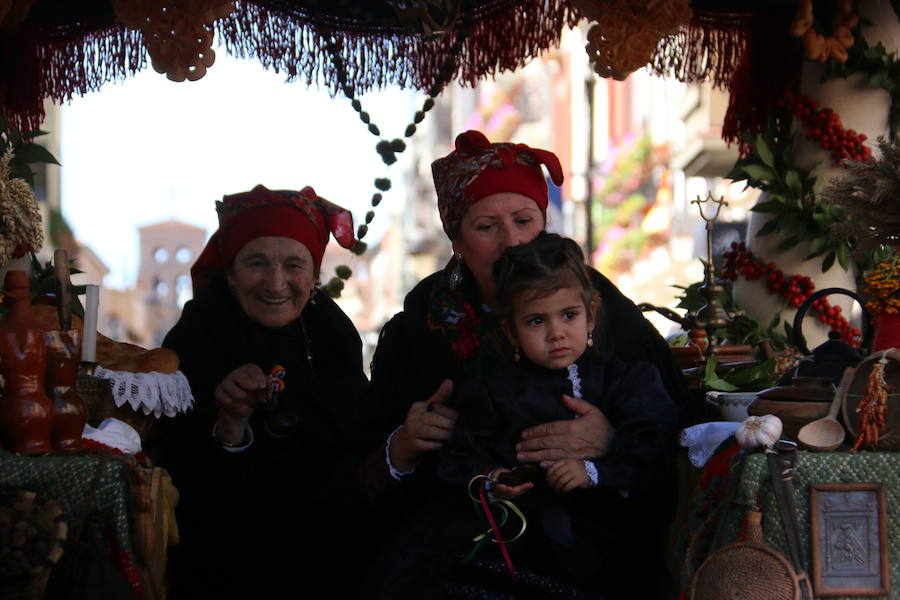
[[794, 288], [824, 125], [386, 149]]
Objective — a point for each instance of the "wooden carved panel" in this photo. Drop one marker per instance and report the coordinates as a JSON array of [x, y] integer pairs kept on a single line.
[[848, 526]]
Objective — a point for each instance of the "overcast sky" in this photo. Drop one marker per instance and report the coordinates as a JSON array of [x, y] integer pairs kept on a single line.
[[148, 149]]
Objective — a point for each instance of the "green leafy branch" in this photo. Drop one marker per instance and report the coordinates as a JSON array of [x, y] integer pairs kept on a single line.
[[882, 69], [749, 379], [797, 216], [24, 150]]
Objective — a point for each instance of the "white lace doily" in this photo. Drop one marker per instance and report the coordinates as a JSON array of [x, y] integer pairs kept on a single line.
[[158, 393], [702, 440]]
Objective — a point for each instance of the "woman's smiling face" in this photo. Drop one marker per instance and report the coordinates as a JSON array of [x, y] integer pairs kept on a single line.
[[272, 279]]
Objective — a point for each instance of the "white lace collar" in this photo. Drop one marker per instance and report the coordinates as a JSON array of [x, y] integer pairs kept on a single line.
[[575, 379]]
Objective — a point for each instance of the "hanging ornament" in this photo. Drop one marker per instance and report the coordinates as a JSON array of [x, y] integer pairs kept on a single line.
[[20, 217], [817, 46], [627, 32], [386, 149], [178, 35]]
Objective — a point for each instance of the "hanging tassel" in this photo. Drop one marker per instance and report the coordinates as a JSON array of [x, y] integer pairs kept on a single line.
[[706, 49], [770, 67]]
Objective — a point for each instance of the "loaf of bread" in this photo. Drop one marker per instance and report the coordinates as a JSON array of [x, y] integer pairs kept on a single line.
[[117, 356]]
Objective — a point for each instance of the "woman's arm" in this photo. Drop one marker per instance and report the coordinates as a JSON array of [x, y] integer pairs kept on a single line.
[[406, 402], [642, 452]]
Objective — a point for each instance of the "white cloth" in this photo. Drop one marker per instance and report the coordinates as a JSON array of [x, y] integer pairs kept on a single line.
[[591, 469], [115, 434], [236, 449], [158, 393], [702, 440]]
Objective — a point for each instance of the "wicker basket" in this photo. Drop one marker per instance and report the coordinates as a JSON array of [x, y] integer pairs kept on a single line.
[[749, 569], [31, 530]]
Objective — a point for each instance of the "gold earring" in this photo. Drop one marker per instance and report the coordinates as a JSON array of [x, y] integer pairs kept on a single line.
[[590, 339], [516, 356]]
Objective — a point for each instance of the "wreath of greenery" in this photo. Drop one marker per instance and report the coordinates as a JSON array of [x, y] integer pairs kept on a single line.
[[798, 215], [882, 69]]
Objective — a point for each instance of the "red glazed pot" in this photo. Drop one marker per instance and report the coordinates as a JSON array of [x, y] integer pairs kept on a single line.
[[63, 356], [26, 414]]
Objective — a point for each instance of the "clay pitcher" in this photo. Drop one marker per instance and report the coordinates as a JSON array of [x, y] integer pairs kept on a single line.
[[26, 414], [63, 356]]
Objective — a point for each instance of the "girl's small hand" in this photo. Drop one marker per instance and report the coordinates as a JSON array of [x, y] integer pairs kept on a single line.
[[567, 474], [508, 492]]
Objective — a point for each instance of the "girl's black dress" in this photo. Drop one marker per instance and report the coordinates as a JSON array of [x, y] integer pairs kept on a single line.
[[607, 539], [444, 333], [274, 516]]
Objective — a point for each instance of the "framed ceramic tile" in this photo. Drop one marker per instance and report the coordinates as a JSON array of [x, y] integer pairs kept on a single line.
[[848, 535]]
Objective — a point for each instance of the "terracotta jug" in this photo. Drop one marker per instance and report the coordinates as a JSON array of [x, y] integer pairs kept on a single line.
[[63, 356], [26, 414]]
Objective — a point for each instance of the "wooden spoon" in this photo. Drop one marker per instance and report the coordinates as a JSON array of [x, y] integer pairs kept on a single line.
[[826, 434]]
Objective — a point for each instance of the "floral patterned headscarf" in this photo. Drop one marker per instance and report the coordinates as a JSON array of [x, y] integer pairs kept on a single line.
[[477, 168], [302, 216]]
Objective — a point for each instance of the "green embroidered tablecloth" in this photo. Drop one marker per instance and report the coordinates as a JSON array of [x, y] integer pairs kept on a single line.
[[829, 467], [92, 483]]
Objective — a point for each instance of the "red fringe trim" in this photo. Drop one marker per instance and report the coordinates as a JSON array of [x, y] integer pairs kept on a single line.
[[751, 55], [770, 66], [706, 49], [75, 58]]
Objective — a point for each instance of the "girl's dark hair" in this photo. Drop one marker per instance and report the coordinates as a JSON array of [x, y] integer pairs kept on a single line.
[[541, 267]]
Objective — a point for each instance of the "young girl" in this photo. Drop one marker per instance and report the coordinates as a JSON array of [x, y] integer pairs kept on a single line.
[[596, 522]]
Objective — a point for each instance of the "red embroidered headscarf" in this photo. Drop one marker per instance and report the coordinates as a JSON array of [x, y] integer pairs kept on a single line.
[[477, 168], [301, 216]]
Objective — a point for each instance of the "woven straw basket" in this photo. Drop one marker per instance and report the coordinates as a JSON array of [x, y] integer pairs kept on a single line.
[[749, 570]]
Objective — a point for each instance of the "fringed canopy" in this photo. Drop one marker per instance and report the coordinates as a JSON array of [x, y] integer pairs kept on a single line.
[[54, 49], [742, 48], [57, 49]]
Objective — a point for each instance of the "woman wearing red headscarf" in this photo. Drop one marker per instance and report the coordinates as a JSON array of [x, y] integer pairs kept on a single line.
[[490, 196], [276, 370]]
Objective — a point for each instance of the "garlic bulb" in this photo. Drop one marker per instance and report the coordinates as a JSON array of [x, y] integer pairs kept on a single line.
[[758, 431]]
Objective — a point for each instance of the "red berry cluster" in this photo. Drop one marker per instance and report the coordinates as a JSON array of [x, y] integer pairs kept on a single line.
[[824, 125], [126, 565], [795, 288]]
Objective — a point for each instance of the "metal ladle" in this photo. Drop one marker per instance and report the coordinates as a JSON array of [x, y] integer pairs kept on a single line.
[[826, 434]]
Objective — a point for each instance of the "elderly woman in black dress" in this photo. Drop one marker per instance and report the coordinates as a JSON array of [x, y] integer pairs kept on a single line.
[[276, 370]]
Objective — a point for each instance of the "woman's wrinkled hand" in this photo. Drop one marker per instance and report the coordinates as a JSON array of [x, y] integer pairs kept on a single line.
[[237, 396], [427, 427], [588, 436]]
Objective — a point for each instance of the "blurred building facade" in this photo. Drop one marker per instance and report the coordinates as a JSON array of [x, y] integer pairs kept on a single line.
[[167, 251]]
